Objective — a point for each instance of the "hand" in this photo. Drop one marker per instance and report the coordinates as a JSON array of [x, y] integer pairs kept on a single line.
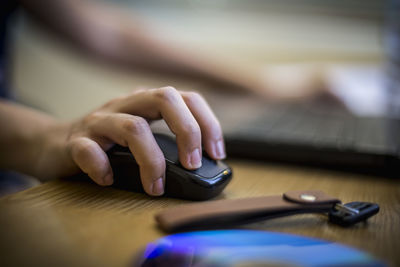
[[290, 82], [125, 121]]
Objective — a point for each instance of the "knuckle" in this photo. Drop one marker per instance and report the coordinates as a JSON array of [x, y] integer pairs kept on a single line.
[[191, 129], [167, 94], [135, 125], [92, 117], [192, 97], [81, 148], [135, 93]]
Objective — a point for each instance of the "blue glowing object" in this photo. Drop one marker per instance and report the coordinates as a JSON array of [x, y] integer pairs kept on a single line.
[[247, 248]]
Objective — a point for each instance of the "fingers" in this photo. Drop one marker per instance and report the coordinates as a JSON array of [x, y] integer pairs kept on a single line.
[[122, 121], [182, 123], [211, 131], [188, 117], [91, 159], [134, 132], [167, 103]]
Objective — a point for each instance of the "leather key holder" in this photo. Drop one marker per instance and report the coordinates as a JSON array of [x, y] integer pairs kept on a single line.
[[230, 212]]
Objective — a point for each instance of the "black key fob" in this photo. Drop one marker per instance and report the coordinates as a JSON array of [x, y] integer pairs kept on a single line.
[[201, 184], [352, 213]]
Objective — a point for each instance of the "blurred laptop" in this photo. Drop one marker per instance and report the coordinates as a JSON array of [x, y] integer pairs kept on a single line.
[[321, 133], [365, 137], [314, 133]]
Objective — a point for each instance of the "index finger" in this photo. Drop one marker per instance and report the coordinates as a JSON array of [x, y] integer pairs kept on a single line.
[[211, 131], [167, 103]]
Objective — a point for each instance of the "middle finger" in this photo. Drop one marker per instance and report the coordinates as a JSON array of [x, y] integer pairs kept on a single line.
[[167, 103]]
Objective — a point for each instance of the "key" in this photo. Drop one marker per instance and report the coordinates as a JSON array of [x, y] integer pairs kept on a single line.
[[352, 213]]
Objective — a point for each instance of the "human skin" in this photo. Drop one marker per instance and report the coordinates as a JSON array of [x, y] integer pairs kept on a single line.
[[36, 144], [108, 34], [105, 32]]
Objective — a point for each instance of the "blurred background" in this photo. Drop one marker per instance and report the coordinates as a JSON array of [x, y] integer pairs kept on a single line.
[[279, 37]]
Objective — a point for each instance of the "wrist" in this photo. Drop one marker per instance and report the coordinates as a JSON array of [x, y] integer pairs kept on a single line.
[[52, 157]]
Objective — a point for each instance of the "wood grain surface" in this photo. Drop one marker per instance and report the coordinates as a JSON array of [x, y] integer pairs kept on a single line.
[[71, 223]]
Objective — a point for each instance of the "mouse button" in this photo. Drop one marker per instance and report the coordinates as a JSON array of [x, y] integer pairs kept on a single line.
[[122, 154], [210, 168], [120, 150], [168, 147]]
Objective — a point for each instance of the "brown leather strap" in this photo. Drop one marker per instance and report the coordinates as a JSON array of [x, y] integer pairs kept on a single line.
[[223, 213]]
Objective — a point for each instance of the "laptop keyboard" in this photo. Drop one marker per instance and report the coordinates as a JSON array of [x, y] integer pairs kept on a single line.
[[320, 127]]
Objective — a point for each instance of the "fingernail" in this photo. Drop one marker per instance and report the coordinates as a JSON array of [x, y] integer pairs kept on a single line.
[[220, 150], [108, 179], [158, 187], [195, 158]]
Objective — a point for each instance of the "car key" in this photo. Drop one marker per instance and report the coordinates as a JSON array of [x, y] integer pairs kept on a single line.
[[352, 213]]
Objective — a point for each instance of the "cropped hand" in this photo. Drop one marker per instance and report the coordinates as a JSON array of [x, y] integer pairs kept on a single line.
[[125, 121]]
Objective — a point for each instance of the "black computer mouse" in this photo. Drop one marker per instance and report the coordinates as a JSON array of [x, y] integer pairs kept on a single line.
[[201, 184]]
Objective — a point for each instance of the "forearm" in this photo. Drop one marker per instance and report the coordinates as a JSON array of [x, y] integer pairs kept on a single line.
[[171, 57], [108, 33], [23, 136]]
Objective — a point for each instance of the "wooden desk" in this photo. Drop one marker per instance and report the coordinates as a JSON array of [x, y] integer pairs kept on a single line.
[[76, 224]]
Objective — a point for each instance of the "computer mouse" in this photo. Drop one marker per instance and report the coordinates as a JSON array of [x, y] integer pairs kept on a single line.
[[201, 184]]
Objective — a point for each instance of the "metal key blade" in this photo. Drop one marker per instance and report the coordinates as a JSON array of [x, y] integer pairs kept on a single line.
[[344, 208]]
